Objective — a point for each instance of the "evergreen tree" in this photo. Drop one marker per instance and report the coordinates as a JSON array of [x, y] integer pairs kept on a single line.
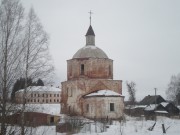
[[40, 83], [20, 84]]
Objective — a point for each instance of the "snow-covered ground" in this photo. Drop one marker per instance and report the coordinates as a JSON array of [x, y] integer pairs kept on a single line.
[[132, 126]]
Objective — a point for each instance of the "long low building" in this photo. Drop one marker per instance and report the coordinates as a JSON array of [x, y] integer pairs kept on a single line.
[[39, 95]]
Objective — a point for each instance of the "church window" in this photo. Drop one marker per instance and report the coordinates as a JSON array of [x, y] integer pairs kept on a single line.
[[111, 107], [109, 70], [70, 70], [87, 108], [82, 69]]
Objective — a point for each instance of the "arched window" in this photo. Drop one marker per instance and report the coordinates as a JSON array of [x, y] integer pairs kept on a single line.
[[82, 69]]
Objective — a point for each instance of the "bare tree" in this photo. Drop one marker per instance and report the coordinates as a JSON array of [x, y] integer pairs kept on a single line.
[[132, 92], [36, 61], [11, 16], [23, 53], [173, 88]]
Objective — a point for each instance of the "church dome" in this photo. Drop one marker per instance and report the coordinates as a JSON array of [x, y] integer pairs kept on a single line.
[[90, 51]]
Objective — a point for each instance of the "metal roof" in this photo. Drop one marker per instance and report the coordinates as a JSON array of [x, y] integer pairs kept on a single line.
[[90, 31], [90, 51]]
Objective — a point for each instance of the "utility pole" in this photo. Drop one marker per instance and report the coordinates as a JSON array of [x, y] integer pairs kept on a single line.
[[155, 102]]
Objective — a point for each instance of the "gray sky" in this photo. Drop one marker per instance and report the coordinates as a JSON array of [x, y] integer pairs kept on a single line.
[[141, 36]]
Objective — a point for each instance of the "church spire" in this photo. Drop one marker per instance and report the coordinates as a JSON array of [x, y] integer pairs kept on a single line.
[[90, 36]]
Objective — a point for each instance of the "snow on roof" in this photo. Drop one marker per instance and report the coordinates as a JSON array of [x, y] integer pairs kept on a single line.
[[138, 106], [103, 93], [164, 104], [161, 111], [53, 109], [151, 107], [40, 88]]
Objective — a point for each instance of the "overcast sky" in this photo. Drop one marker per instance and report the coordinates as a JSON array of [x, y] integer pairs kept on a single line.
[[141, 36]]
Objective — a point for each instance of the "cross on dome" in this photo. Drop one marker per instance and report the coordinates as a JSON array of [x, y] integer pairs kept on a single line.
[[90, 13]]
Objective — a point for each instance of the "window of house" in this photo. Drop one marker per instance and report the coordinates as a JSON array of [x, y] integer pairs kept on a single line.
[[57, 95], [43, 100], [50, 100], [34, 100], [82, 69], [87, 108], [46, 101], [38, 95], [38, 100], [46, 95], [31, 95], [34, 95], [50, 95], [111, 107], [54, 95], [54, 100], [57, 100]]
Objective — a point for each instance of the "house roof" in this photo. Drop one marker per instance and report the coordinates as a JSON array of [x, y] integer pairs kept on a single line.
[[164, 104], [151, 100], [90, 51], [151, 107], [40, 88], [165, 112]]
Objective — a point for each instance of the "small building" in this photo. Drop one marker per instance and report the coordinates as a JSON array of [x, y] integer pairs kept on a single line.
[[36, 114], [178, 99], [153, 110], [137, 110], [103, 104], [39, 95], [170, 108], [152, 99]]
